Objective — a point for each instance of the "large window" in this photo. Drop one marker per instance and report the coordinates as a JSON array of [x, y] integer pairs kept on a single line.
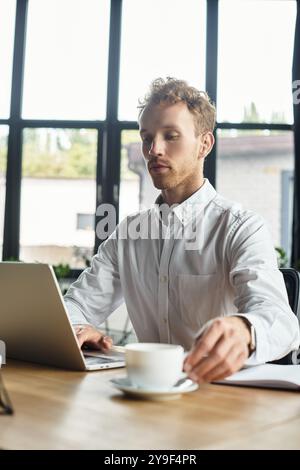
[[66, 59], [255, 60], [136, 189], [59, 170], [72, 60], [255, 55], [3, 154], [7, 22], [251, 166], [64, 82], [159, 39]]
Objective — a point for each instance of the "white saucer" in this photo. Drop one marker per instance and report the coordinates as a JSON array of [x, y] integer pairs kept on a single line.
[[127, 387]]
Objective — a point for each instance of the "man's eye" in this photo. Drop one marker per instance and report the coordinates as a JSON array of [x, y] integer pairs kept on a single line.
[[172, 136], [146, 140]]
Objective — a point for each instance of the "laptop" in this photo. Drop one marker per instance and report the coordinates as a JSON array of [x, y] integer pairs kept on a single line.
[[34, 323]]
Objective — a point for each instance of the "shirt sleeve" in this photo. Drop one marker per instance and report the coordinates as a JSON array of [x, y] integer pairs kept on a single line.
[[97, 292], [259, 290]]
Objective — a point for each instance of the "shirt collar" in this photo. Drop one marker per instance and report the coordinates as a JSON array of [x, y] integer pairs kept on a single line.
[[195, 203]]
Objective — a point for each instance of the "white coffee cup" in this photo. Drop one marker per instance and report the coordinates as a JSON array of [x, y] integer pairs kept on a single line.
[[154, 365]]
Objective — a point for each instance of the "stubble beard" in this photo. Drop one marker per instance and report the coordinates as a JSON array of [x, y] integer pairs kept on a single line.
[[165, 182], [171, 181]]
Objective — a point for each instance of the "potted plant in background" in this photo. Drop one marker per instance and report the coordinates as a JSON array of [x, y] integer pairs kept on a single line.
[[62, 272], [282, 258]]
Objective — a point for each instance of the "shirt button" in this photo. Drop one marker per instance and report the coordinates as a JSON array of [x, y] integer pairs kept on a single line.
[[165, 320], [163, 278]]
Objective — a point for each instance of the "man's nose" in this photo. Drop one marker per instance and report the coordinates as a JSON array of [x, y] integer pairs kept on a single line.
[[156, 148]]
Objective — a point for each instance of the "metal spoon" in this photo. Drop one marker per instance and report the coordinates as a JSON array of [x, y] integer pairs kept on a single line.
[[183, 382]]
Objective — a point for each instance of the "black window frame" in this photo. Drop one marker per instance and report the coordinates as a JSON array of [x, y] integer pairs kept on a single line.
[[109, 130]]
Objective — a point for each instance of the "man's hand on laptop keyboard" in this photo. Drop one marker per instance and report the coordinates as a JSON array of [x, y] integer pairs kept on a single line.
[[90, 338]]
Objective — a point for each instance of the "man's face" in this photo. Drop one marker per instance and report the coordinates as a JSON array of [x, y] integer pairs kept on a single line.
[[170, 145]]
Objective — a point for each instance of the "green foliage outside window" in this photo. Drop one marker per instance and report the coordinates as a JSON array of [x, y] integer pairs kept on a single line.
[[59, 153]]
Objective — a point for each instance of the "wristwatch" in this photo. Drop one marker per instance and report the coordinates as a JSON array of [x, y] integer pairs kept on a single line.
[[252, 344]]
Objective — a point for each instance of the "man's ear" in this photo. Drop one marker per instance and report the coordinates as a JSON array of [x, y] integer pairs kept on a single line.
[[207, 143]]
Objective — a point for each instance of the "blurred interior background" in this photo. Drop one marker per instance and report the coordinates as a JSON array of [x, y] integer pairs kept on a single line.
[[71, 74]]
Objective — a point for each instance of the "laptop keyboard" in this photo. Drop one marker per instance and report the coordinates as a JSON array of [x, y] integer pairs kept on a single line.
[[90, 361]]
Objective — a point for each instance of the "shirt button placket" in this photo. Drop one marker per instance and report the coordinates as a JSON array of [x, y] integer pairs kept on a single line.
[[163, 291]]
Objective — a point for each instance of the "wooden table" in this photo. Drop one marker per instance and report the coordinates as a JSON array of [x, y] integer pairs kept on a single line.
[[58, 409]]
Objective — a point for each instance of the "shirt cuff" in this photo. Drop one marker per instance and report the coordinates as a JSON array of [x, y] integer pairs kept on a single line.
[[261, 353], [75, 314]]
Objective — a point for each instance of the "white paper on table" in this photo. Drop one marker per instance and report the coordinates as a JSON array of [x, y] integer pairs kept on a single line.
[[267, 375]]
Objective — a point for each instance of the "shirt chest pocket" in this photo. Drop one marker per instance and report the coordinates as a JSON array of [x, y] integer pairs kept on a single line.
[[198, 296]]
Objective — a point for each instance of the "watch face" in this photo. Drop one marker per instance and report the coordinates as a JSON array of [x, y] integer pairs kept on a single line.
[[253, 342]]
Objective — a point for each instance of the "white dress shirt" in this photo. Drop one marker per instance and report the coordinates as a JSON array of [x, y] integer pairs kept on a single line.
[[173, 284]]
